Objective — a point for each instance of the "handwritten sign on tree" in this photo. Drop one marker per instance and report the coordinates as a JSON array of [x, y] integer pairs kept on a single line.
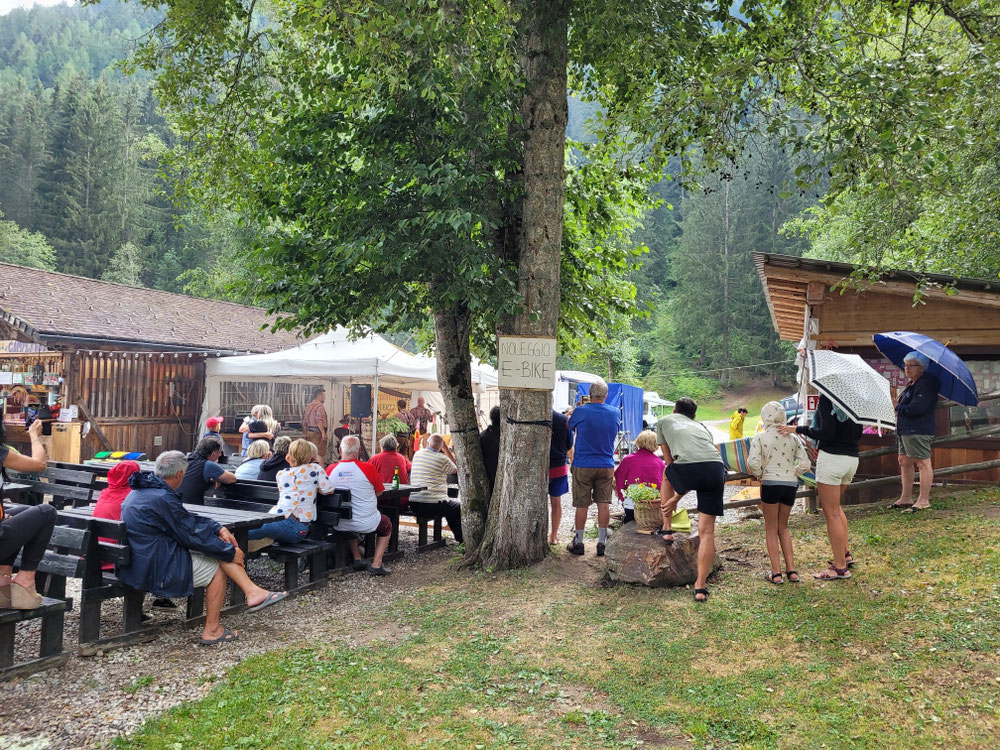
[[526, 363]]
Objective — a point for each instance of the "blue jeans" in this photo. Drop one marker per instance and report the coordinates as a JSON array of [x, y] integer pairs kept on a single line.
[[286, 531]]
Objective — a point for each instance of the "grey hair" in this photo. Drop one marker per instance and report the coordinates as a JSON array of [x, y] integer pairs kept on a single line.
[[350, 445], [389, 443], [170, 463], [598, 390], [435, 441]]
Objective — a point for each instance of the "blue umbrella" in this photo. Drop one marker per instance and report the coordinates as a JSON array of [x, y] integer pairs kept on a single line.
[[956, 380]]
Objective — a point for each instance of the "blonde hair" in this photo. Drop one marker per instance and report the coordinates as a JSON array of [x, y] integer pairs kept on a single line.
[[258, 449], [301, 452], [646, 440], [265, 415]]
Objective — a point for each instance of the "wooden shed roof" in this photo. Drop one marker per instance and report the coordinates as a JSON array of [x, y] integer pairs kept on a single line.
[[791, 283], [63, 311]]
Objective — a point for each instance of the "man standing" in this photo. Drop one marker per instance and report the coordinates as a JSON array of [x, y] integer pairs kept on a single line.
[[174, 551], [421, 418], [489, 442], [559, 448], [693, 465], [203, 470], [405, 439], [431, 467], [736, 423], [314, 421], [594, 426], [915, 428]]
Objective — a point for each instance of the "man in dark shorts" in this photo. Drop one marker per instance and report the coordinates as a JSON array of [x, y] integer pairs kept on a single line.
[[594, 426], [693, 465]]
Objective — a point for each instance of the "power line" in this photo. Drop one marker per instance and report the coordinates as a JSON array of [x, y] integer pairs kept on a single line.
[[725, 369]]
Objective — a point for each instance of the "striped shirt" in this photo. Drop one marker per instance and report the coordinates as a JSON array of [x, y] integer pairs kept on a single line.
[[431, 469]]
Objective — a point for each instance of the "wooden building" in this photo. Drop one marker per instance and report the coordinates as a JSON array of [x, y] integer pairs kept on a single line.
[[815, 304], [131, 359]]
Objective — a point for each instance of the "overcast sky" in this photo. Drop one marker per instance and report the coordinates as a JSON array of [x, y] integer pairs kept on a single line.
[[6, 6]]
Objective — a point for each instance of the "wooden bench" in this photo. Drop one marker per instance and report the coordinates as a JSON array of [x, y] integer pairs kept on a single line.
[[61, 558], [67, 487]]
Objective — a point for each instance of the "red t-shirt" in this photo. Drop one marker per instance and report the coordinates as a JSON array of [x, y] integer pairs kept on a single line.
[[385, 464]]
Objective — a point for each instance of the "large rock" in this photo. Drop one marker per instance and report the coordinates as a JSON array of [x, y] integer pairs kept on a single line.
[[644, 558]]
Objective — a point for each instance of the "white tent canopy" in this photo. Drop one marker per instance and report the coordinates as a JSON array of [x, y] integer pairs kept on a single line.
[[334, 358]]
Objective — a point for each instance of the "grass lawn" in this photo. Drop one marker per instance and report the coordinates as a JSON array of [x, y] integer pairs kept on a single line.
[[906, 654], [753, 400]]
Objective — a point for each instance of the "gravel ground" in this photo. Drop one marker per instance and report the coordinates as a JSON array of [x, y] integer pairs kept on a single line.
[[91, 700]]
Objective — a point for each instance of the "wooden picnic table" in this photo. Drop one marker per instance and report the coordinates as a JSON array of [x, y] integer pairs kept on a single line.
[[389, 502], [239, 523], [12, 491]]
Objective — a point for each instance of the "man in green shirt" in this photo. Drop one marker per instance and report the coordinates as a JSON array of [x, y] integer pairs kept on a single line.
[[693, 465]]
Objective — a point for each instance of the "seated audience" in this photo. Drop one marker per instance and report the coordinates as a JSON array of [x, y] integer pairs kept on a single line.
[[270, 467], [175, 551], [362, 479], [256, 453], [298, 486], [25, 529], [641, 467], [203, 470], [431, 467], [389, 460]]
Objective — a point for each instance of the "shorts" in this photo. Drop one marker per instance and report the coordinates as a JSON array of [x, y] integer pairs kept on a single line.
[[558, 486], [914, 446], [778, 493], [832, 468], [592, 486], [707, 479], [203, 569], [384, 527]]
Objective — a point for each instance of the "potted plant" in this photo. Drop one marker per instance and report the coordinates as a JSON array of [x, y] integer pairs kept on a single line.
[[646, 498], [391, 426]]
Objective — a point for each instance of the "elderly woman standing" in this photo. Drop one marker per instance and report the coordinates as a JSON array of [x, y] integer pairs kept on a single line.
[[915, 427]]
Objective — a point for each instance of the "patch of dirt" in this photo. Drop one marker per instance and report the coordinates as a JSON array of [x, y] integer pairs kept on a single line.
[[650, 737]]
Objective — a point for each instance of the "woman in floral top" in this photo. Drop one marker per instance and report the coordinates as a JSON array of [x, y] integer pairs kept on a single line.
[[298, 486]]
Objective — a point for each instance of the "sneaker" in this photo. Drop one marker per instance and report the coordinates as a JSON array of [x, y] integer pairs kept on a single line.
[[359, 565], [600, 549], [575, 548], [164, 603], [382, 571]]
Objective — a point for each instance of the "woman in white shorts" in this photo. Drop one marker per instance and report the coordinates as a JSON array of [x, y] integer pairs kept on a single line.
[[836, 465]]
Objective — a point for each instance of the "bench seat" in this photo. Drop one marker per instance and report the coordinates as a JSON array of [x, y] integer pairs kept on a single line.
[[50, 651]]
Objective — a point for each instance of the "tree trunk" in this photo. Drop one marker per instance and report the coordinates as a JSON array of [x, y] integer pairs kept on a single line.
[[725, 376], [454, 370], [517, 522]]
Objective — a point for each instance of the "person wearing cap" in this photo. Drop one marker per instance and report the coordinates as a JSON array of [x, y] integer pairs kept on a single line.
[[915, 428], [212, 427]]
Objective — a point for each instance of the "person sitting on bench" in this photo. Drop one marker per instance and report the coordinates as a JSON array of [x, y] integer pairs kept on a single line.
[[431, 467], [363, 480], [174, 551], [27, 529]]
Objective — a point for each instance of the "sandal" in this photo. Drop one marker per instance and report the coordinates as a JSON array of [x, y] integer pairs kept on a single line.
[[228, 636], [849, 558], [775, 578], [790, 573], [663, 534], [898, 505], [917, 508], [832, 574], [703, 592]]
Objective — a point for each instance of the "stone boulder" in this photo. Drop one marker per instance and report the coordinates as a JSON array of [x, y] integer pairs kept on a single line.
[[643, 558]]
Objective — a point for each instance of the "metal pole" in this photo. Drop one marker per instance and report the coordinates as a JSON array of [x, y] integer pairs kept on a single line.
[[375, 413]]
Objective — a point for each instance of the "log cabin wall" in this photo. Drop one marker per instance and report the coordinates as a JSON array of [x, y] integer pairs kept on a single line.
[[142, 401]]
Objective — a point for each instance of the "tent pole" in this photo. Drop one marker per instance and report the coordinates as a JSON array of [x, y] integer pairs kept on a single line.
[[375, 414]]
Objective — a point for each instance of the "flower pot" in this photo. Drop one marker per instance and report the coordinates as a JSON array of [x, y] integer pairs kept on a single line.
[[648, 516]]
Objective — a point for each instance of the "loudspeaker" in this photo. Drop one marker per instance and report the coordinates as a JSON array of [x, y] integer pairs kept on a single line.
[[361, 400]]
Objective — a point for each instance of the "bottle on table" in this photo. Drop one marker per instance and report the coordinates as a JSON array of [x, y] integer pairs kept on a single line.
[[395, 479]]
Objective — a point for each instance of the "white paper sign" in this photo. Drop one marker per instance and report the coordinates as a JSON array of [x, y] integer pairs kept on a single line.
[[526, 363]]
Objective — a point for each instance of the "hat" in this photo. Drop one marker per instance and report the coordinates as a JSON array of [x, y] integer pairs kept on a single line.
[[213, 423]]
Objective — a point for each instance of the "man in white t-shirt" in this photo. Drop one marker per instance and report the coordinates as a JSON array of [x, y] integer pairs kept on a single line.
[[362, 479], [430, 469]]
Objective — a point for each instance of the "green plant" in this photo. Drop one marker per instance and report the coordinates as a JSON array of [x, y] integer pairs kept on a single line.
[[642, 494], [392, 426]]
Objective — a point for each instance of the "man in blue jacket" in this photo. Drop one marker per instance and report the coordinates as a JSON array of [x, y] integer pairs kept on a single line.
[[174, 551], [594, 427], [916, 410]]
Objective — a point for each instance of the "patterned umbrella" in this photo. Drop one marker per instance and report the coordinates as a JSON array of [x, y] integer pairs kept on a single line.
[[956, 380], [851, 383]]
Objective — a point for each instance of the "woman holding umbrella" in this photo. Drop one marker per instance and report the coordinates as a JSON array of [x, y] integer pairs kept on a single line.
[[838, 438], [915, 429]]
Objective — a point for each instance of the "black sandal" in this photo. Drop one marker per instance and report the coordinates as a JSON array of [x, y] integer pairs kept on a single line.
[[790, 573], [700, 591], [770, 577], [660, 532]]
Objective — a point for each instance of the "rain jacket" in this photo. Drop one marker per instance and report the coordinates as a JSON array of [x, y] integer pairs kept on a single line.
[[109, 503], [775, 458], [917, 407], [736, 425], [160, 533]]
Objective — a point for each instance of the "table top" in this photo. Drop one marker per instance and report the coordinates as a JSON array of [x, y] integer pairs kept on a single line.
[[13, 490], [231, 518]]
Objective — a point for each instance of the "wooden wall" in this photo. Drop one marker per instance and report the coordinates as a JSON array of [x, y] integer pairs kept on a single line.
[[137, 397]]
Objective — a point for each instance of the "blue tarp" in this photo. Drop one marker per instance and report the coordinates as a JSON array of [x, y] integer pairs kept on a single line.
[[627, 399]]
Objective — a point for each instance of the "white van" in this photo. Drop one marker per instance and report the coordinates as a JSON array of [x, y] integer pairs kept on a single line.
[[651, 399]]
